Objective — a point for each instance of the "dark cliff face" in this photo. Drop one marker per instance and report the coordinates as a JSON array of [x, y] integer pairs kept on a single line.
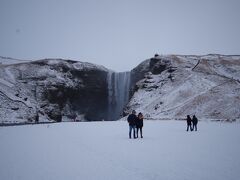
[[57, 89], [87, 95], [91, 97], [155, 65]]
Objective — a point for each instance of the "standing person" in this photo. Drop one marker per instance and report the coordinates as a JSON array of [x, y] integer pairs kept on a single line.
[[194, 121], [189, 122], [132, 118], [139, 124]]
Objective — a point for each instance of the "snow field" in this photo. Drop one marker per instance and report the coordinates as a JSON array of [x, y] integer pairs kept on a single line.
[[102, 151]]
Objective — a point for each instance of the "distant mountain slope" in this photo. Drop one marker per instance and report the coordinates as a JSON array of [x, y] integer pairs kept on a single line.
[[208, 86], [7, 60]]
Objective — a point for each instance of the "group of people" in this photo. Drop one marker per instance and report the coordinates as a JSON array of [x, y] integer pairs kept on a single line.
[[192, 123], [135, 124]]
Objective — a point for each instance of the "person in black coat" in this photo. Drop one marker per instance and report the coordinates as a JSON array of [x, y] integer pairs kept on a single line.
[[189, 122], [139, 124], [132, 119], [194, 121]]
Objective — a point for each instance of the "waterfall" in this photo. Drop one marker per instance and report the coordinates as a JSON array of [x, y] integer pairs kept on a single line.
[[118, 93]]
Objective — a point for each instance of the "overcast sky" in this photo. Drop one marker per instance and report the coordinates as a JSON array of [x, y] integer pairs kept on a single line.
[[118, 34]]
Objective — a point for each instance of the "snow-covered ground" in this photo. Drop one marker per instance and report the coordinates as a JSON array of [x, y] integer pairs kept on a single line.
[[102, 151]]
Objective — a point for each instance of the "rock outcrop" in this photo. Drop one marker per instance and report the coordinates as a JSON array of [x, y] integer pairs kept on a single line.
[[53, 90]]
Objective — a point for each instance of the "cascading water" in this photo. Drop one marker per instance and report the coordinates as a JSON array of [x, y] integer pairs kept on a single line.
[[118, 93]]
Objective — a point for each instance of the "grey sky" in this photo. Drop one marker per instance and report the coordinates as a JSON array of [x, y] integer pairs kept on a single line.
[[118, 34]]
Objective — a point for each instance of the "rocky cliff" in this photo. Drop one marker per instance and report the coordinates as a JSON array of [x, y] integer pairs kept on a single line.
[[162, 87], [52, 90]]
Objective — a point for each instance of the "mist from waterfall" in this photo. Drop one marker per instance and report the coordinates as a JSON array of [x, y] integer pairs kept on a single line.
[[118, 93]]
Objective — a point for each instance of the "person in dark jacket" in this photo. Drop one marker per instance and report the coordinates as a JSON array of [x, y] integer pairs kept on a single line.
[[189, 122], [132, 118], [194, 121], [139, 124]]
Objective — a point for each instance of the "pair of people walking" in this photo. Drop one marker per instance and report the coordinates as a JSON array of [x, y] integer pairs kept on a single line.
[[135, 124], [192, 123]]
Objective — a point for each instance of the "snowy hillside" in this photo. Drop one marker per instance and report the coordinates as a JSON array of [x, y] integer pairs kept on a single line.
[[7, 60], [208, 86], [102, 151]]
